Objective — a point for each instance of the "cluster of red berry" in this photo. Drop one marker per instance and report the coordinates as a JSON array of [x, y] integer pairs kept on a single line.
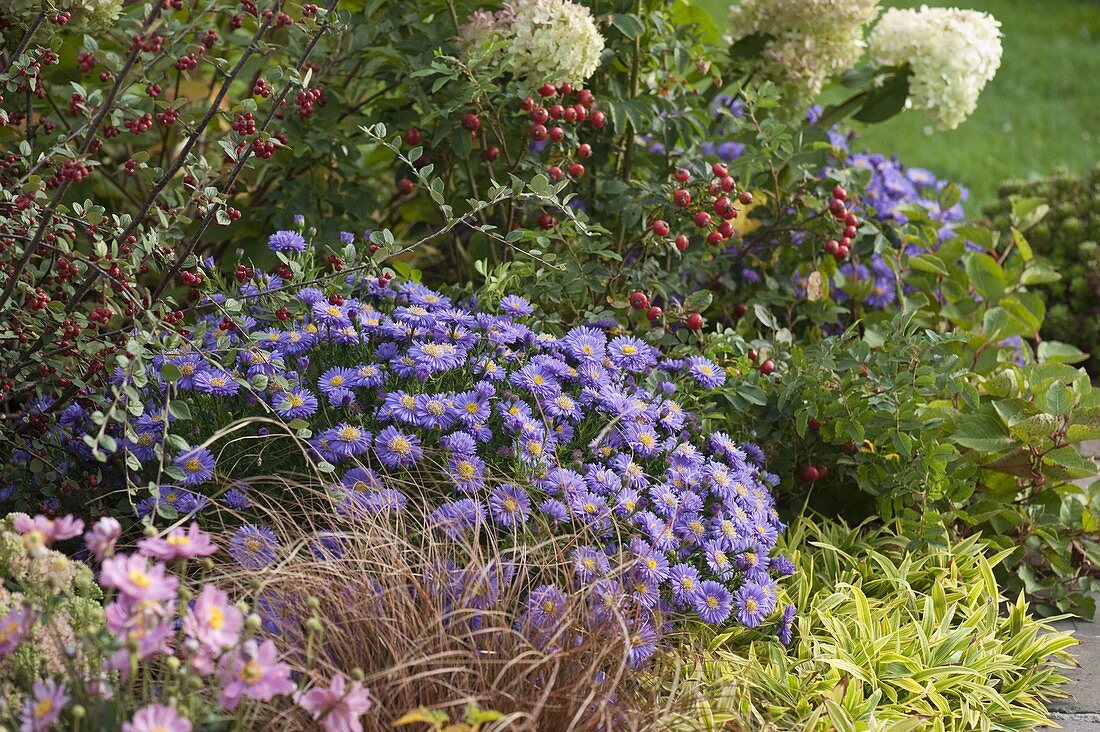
[[841, 248], [712, 209]]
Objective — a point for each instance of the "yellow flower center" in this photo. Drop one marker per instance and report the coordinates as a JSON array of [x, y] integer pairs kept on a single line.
[[334, 311], [400, 445], [146, 439], [193, 465], [687, 583], [295, 400], [42, 708], [651, 563], [696, 527], [216, 619], [217, 382], [435, 408], [178, 540], [751, 605], [712, 602], [348, 434], [337, 380], [510, 505], [408, 402], [549, 607], [187, 369], [629, 350], [466, 470], [139, 578], [646, 439], [251, 673], [534, 447]]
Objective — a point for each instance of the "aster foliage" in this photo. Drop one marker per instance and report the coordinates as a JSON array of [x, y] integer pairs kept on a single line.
[[952, 53]]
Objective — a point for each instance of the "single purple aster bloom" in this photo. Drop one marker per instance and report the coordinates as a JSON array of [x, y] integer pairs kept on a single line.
[[515, 306], [509, 505], [396, 449], [706, 372], [296, 404], [347, 439], [752, 604], [253, 546], [217, 383], [786, 625], [286, 241], [197, 465], [713, 602]]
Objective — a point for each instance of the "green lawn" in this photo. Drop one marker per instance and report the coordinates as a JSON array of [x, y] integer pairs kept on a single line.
[[1042, 110]]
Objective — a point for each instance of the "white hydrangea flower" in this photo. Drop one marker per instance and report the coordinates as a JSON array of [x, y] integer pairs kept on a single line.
[[812, 40], [953, 54], [548, 40]]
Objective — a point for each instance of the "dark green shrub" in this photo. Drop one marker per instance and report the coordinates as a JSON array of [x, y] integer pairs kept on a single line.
[[1069, 236]]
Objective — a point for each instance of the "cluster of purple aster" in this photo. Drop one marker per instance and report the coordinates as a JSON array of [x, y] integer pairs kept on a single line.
[[582, 432]]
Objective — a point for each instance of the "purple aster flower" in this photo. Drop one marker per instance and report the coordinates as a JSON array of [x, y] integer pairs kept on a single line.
[[685, 581], [197, 465], [216, 382], [589, 563], [434, 411], [455, 518], [752, 604], [237, 499], [329, 315], [786, 624], [706, 372], [515, 306], [396, 449], [631, 354], [467, 473], [437, 357], [713, 602], [509, 505], [253, 546], [296, 403], [347, 237], [348, 440], [286, 241], [555, 510], [641, 643]]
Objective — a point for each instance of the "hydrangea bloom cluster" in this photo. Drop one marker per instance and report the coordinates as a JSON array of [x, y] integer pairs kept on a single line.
[[953, 53], [811, 40], [146, 624], [546, 40]]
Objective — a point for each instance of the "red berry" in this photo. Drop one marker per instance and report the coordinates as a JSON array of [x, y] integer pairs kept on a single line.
[[814, 425], [555, 173], [702, 219], [809, 474], [850, 232], [682, 242], [725, 229], [681, 198], [851, 220], [822, 472], [548, 90], [586, 97], [538, 132], [694, 321], [557, 111], [638, 300], [412, 136], [539, 115], [715, 238], [845, 242], [546, 221], [528, 104], [831, 246], [584, 151], [727, 184], [576, 170], [719, 170], [660, 228], [837, 208], [570, 114], [745, 198], [840, 194], [768, 367], [404, 186], [565, 88], [599, 120], [654, 314], [471, 122], [557, 134], [739, 310], [491, 153], [842, 253], [682, 175]]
